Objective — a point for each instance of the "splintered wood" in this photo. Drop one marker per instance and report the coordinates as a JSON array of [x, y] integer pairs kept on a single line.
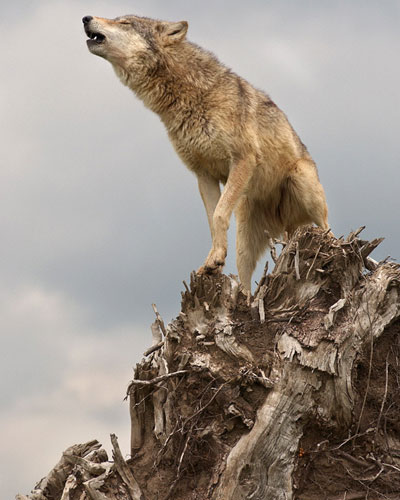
[[221, 402]]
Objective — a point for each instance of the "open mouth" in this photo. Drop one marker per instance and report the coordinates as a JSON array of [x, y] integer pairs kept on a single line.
[[94, 36]]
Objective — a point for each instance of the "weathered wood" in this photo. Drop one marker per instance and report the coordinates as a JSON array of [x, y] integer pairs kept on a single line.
[[223, 402], [260, 465], [156, 380], [125, 472], [53, 484], [266, 456], [70, 485], [291, 400]]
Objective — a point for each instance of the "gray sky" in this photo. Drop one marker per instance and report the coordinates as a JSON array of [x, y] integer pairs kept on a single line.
[[99, 218]]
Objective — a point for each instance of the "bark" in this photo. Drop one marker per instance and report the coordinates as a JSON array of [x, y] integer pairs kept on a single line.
[[293, 396]]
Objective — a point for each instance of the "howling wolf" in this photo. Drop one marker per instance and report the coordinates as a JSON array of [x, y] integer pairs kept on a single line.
[[223, 129]]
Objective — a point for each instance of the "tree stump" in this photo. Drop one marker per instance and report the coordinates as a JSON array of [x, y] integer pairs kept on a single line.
[[295, 396]]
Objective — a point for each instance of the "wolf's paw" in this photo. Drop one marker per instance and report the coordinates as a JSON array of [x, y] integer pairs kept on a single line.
[[214, 262], [216, 269]]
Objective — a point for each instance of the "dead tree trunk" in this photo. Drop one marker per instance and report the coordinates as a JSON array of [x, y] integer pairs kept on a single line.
[[296, 396]]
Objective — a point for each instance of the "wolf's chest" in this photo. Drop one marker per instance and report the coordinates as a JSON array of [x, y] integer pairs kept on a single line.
[[202, 149]]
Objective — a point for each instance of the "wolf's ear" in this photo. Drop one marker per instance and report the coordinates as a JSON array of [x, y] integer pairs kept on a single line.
[[174, 32]]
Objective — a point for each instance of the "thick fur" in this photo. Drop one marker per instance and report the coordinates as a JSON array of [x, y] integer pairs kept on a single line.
[[224, 130]]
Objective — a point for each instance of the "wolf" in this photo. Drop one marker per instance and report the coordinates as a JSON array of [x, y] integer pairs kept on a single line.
[[225, 131]]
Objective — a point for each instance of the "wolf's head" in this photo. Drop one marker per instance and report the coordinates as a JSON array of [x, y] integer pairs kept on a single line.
[[123, 40]]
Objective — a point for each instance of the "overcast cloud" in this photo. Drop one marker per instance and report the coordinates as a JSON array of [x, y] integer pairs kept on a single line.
[[99, 218]]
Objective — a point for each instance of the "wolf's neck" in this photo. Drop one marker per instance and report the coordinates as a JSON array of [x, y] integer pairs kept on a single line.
[[183, 78]]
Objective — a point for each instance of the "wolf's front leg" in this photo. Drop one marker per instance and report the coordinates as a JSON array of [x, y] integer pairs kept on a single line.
[[238, 179], [210, 194]]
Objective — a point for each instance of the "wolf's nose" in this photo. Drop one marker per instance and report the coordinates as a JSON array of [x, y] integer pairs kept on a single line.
[[87, 19]]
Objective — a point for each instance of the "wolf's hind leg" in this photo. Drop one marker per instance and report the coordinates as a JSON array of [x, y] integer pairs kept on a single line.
[[251, 239]]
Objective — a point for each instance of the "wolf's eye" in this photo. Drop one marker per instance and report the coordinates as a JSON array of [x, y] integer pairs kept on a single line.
[[124, 22]]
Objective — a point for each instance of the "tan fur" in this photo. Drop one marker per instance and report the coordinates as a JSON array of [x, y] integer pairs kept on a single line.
[[224, 130]]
